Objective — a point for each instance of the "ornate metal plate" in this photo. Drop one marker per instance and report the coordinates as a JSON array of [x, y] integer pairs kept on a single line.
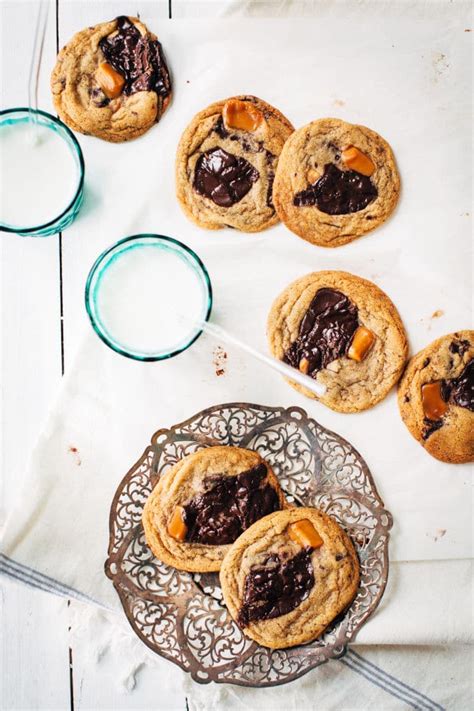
[[181, 616]]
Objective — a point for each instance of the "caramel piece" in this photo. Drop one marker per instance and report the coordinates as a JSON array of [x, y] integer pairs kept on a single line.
[[304, 365], [362, 342], [434, 406], [304, 533], [110, 81], [176, 527], [358, 161], [241, 115]]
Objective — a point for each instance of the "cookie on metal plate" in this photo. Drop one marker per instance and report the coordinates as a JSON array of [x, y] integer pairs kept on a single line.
[[289, 576], [203, 504]]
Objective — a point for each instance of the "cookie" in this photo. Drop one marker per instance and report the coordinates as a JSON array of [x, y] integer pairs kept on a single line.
[[111, 80], [335, 181], [226, 163], [344, 332], [289, 576], [203, 504], [436, 397]]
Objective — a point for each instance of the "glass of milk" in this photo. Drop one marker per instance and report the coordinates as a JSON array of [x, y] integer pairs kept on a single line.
[[41, 173], [147, 297]]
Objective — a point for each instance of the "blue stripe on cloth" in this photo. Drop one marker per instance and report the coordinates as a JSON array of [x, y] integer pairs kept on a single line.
[[352, 660], [19, 576], [358, 669], [418, 695], [37, 579]]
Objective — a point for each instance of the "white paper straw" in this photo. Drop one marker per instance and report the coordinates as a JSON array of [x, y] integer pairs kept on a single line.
[[36, 56], [278, 365]]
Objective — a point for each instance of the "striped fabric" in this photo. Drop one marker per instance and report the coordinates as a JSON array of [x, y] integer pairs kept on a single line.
[[352, 660]]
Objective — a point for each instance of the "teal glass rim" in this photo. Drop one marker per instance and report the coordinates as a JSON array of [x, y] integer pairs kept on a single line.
[[66, 217], [109, 255]]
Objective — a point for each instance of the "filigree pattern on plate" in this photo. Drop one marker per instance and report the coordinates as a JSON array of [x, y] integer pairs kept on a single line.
[[181, 616]]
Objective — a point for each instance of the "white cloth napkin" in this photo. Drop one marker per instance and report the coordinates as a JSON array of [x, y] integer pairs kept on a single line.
[[57, 536], [108, 408]]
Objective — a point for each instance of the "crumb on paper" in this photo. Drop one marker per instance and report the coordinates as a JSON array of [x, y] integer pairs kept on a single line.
[[468, 30], [440, 65], [439, 534], [75, 452], [219, 361], [339, 102], [187, 81], [438, 313]]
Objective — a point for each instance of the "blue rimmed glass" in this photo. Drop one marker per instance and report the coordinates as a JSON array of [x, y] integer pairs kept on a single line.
[[120, 250], [11, 117]]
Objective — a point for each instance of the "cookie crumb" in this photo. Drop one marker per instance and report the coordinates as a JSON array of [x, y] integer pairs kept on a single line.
[[339, 102], [440, 65], [437, 313], [440, 533], [74, 451], [219, 360]]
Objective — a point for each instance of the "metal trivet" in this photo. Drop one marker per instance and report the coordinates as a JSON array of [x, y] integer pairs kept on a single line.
[[181, 616]]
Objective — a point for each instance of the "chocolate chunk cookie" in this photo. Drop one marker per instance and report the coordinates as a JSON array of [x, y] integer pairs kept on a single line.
[[226, 163], [335, 181], [204, 503], [343, 331], [288, 576], [111, 80], [436, 397]]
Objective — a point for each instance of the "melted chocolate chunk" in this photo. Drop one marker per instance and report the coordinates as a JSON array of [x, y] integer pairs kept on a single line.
[[338, 192], [223, 177], [270, 158], [461, 389], [445, 390], [220, 129], [138, 59], [98, 97], [276, 587], [271, 178], [459, 347], [430, 427], [222, 132], [325, 332], [229, 506]]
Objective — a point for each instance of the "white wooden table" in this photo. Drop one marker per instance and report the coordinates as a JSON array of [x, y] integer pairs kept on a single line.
[[41, 305]]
